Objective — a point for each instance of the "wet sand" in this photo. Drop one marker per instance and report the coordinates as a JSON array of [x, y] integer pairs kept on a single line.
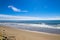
[[25, 35]]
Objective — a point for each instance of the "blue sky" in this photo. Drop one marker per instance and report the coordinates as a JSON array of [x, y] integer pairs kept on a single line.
[[31, 8]]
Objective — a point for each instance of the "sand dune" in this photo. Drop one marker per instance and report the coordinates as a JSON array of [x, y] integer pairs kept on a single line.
[[25, 35]]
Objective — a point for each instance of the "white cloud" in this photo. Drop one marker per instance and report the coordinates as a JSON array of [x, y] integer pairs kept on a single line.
[[16, 9], [10, 17]]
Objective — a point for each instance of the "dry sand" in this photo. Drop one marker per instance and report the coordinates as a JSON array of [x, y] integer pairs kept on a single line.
[[25, 35]]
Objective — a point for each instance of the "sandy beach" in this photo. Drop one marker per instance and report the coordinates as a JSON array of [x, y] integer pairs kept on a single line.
[[25, 35]]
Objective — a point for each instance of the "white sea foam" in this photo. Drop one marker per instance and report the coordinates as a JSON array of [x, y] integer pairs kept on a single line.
[[31, 25]]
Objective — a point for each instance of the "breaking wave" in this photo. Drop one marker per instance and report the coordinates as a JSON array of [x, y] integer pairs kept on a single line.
[[31, 25]]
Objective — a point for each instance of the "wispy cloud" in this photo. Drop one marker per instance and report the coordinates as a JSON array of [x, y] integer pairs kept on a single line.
[[24, 11], [10, 17], [16, 9]]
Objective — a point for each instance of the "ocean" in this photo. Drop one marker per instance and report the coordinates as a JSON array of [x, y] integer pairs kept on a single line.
[[49, 22], [49, 26]]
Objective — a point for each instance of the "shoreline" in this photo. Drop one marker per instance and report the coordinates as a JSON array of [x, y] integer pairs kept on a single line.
[[32, 25], [32, 28], [27, 35], [32, 31]]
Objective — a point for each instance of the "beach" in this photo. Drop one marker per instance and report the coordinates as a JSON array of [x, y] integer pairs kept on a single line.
[[26, 35]]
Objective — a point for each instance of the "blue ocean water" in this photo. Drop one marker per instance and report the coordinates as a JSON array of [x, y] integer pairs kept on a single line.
[[49, 26], [48, 22]]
